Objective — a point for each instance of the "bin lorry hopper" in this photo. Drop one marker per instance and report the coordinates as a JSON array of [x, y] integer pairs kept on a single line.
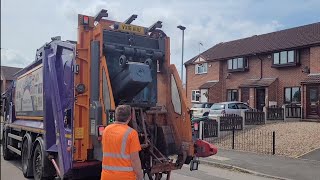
[[59, 105]]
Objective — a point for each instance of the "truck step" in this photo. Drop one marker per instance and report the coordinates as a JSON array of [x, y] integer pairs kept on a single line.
[[14, 150], [14, 137]]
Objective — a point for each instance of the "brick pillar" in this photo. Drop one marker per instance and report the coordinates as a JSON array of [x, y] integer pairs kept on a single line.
[[315, 60], [304, 101], [267, 98], [252, 98]]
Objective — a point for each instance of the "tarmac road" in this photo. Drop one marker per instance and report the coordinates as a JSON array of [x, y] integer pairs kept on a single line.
[[12, 170]]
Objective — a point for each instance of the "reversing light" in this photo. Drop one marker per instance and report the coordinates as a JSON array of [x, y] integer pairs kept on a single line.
[[85, 20]]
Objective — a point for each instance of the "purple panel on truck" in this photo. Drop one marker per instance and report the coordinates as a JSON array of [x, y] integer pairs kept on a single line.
[[49, 125], [29, 123], [60, 62]]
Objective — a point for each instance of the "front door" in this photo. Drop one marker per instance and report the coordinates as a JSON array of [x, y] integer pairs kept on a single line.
[[260, 98], [313, 102], [204, 95]]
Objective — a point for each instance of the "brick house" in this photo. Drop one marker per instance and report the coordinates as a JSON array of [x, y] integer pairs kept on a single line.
[[7, 76], [276, 68]]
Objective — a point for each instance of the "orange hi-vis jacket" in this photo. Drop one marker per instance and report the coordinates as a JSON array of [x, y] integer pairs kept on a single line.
[[118, 142]]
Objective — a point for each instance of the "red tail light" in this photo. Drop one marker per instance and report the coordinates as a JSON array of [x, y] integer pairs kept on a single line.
[[196, 126], [100, 130], [85, 20]]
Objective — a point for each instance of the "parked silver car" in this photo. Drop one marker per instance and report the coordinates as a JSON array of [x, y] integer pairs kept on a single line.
[[234, 107], [200, 109]]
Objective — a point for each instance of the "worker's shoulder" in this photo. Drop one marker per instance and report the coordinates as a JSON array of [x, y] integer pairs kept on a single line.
[[133, 132], [118, 127], [110, 126]]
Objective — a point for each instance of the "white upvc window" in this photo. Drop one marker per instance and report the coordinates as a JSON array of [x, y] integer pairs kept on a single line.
[[195, 96], [286, 57], [201, 68], [237, 64]]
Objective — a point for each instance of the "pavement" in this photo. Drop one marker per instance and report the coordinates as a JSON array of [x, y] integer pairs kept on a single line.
[[313, 155], [271, 166]]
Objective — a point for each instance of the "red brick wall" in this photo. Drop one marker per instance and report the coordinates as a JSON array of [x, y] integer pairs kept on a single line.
[[315, 60], [194, 81], [214, 93], [287, 76], [8, 83], [272, 91], [237, 78], [252, 94]]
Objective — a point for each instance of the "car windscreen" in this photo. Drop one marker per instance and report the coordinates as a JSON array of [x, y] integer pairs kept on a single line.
[[208, 105], [217, 107]]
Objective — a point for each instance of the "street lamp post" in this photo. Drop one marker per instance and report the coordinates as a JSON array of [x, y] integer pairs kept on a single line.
[[182, 28]]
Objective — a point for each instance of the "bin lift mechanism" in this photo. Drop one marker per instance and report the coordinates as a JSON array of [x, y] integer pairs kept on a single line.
[[202, 148]]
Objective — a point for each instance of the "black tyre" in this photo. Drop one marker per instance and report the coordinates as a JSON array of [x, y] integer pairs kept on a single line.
[[42, 167], [26, 161], [205, 114], [122, 61], [7, 154], [38, 163]]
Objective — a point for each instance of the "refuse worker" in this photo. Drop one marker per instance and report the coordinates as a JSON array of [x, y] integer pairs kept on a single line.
[[121, 146]]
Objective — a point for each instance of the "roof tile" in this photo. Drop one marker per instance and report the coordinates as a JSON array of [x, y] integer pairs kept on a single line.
[[8, 72], [280, 40]]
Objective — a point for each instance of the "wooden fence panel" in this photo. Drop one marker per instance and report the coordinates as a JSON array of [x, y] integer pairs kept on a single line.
[[293, 111], [254, 117], [230, 121], [275, 113]]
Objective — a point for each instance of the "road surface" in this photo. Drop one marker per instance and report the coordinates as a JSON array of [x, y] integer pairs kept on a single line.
[[12, 170]]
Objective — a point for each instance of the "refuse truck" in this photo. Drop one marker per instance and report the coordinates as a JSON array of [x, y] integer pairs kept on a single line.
[[58, 106]]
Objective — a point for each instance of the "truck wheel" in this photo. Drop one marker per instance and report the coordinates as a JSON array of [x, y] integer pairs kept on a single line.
[[42, 167], [205, 114], [38, 163], [26, 161], [7, 154]]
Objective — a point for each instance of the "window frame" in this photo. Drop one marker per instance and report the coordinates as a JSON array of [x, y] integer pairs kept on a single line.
[[245, 64], [204, 66], [196, 92], [231, 96], [296, 58], [291, 95]]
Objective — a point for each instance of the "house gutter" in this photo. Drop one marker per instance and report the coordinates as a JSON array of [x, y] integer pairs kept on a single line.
[[261, 73]]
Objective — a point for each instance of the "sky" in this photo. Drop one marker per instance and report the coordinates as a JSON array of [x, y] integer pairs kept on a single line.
[[27, 25]]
